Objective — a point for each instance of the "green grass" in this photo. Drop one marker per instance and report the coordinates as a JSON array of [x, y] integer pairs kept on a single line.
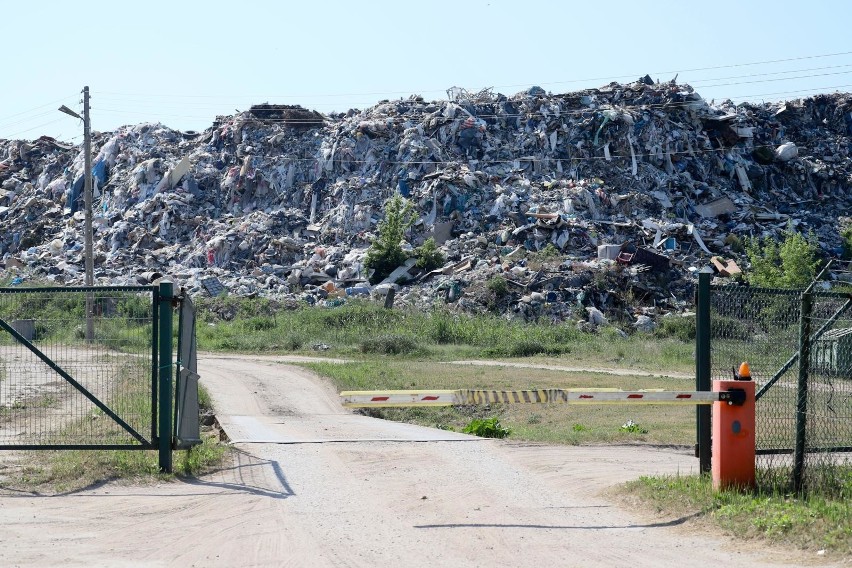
[[361, 327], [57, 471], [812, 523], [548, 423]]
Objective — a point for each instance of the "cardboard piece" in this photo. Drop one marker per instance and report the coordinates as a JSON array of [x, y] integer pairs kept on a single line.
[[721, 206]]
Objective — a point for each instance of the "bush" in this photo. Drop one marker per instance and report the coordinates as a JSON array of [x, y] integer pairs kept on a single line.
[[527, 348], [389, 345], [428, 256], [385, 253], [682, 328], [443, 329], [487, 428], [846, 234], [633, 428], [498, 286], [548, 252], [792, 264], [293, 342], [259, 323]]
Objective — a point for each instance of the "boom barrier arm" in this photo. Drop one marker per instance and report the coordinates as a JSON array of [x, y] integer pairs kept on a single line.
[[460, 397], [732, 460]]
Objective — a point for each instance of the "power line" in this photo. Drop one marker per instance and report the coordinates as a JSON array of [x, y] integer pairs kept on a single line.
[[26, 120], [380, 93], [776, 80], [312, 121], [51, 103], [533, 114], [694, 84], [34, 128]]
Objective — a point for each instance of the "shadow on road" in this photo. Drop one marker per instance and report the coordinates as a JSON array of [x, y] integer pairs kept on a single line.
[[672, 523]]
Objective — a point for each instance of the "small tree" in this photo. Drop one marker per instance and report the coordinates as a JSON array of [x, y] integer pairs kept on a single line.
[[792, 264], [385, 253], [428, 255], [846, 234]]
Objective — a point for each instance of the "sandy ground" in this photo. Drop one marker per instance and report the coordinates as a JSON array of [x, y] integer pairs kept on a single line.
[[314, 485]]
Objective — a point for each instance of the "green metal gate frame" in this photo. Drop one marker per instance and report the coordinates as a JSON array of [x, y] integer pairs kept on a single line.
[[703, 372], [161, 375]]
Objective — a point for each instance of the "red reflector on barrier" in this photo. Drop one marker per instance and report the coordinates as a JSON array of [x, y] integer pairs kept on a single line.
[[379, 398], [635, 396], [430, 397], [684, 396], [586, 396]]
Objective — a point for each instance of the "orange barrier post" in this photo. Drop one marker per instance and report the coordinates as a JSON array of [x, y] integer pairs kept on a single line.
[[732, 462]]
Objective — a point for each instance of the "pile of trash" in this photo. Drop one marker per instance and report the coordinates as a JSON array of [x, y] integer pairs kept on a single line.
[[595, 205]]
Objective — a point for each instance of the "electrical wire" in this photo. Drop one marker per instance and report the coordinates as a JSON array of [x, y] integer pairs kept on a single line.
[[532, 114], [10, 136], [666, 105], [51, 103], [610, 78], [694, 84], [567, 113], [26, 120], [776, 80]]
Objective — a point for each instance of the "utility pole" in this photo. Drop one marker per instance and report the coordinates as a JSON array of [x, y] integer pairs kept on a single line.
[[87, 200]]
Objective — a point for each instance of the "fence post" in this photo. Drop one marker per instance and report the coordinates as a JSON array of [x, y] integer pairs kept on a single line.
[[165, 377], [802, 388], [702, 370]]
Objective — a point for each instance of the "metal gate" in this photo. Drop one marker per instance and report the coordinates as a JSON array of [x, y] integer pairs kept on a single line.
[[79, 367], [800, 361]]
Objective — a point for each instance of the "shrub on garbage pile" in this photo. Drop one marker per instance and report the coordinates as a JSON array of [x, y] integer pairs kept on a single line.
[[385, 253], [428, 256], [548, 252], [791, 264], [735, 242], [389, 345], [846, 233], [498, 286]]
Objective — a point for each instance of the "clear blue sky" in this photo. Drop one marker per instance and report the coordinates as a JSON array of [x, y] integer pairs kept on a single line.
[[183, 62]]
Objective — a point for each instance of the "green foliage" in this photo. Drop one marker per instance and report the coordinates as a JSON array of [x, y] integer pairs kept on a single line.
[[135, 308], [735, 242], [497, 285], [846, 234], [816, 522], [522, 348], [385, 253], [792, 264], [428, 256], [259, 323], [633, 428], [389, 345], [487, 428], [577, 427], [548, 252]]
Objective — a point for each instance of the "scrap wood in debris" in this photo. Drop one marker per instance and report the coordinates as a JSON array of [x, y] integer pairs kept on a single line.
[[725, 267]]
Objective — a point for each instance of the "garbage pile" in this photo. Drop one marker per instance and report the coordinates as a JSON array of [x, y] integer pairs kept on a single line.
[[596, 205]]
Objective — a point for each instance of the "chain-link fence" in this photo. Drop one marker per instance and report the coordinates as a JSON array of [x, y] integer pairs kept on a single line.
[[804, 411], [76, 367]]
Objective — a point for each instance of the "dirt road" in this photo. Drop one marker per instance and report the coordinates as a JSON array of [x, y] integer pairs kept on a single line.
[[314, 485]]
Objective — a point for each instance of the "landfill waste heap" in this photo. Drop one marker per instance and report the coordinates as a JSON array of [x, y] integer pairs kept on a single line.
[[599, 205]]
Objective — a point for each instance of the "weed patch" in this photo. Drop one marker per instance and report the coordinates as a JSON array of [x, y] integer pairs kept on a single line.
[[487, 428]]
